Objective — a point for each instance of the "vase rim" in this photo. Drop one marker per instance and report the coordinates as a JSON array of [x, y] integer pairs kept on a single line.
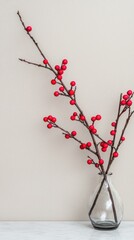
[[108, 174]]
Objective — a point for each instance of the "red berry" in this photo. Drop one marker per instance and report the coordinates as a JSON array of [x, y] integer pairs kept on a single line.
[[53, 81], [57, 67], [45, 119], [45, 61], [71, 92], [59, 77], [75, 113], [72, 102], [54, 120], [60, 72], [123, 102], [96, 165], [109, 142], [89, 161], [73, 133], [103, 149], [113, 124], [125, 97], [89, 144], [72, 83], [64, 61], [129, 103], [101, 161], [28, 28], [67, 136], [98, 117], [91, 127], [72, 117], [62, 89], [122, 138], [82, 118], [113, 132], [49, 125], [129, 92], [93, 119], [102, 144], [105, 145], [115, 154], [63, 67], [56, 93], [94, 131], [82, 146], [50, 117]]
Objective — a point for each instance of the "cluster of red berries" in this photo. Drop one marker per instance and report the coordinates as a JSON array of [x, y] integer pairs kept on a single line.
[[100, 162], [60, 70], [59, 75], [79, 117], [126, 99], [73, 117], [72, 134], [50, 120], [97, 117], [91, 128], [104, 146], [85, 145]]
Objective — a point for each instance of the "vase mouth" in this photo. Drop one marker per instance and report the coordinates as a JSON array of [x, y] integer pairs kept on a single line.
[[107, 174]]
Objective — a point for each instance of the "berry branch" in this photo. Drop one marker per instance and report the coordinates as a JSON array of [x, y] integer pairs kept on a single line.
[[63, 90], [125, 102]]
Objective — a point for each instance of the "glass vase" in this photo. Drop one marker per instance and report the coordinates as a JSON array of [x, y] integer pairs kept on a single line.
[[106, 208]]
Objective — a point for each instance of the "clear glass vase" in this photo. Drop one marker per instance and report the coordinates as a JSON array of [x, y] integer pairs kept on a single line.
[[106, 208]]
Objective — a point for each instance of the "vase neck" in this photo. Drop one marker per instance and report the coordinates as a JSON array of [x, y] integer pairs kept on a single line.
[[108, 177]]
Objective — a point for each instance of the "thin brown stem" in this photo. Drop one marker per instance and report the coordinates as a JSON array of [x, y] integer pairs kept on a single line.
[[35, 64], [36, 44]]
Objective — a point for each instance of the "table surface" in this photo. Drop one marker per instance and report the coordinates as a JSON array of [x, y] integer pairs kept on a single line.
[[62, 230]]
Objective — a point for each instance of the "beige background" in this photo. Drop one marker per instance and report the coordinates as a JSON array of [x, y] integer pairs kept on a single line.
[[43, 176]]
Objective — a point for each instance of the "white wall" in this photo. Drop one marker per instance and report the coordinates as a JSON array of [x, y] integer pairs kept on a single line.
[[43, 176]]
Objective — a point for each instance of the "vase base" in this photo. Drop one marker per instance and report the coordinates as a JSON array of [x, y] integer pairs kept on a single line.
[[106, 225]]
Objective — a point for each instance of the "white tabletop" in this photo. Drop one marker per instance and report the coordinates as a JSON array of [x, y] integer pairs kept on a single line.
[[62, 230]]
